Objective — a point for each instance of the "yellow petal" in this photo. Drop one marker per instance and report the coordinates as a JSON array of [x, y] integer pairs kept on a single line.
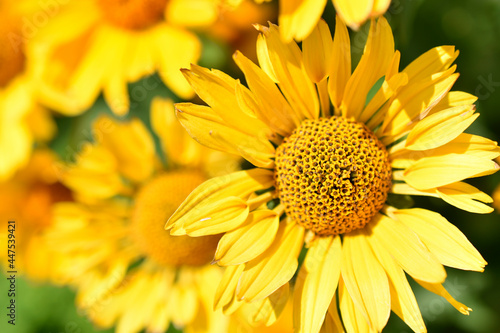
[[440, 128], [273, 268], [324, 98], [142, 62], [403, 301], [155, 281], [191, 13], [115, 79], [218, 91], [273, 109], [466, 197], [318, 50], [297, 18], [473, 146], [341, 64], [227, 286], [354, 320], [162, 110], [233, 306], [94, 173], [188, 50], [134, 317], [270, 308], [435, 60], [213, 218], [377, 57], [388, 89], [380, 7], [239, 184], [131, 144], [158, 281], [85, 84], [403, 188], [406, 248], [207, 319], [418, 90], [332, 321], [414, 102], [365, 279], [39, 121], [432, 172], [442, 238], [184, 301], [263, 57], [354, 12], [249, 240], [316, 284], [72, 18], [455, 98], [176, 143], [286, 59], [116, 95], [209, 129], [438, 289], [393, 68]]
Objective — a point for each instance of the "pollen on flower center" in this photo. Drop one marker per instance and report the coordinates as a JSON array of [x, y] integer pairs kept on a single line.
[[155, 203], [12, 57], [133, 14], [332, 175]]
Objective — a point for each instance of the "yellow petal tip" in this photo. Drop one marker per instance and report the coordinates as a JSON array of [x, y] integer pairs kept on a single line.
[[178, 232], [261, 28], [465, 311]]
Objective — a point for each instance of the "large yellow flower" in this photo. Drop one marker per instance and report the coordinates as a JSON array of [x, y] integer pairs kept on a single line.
[[298, 18], [22, 120], [325, 176], [102, 45], [110, 242]]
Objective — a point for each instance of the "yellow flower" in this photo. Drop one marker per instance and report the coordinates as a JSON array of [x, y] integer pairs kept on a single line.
[[111, 244], [323, 177], [102, 45], [22, 120], [298, 18], [27, 199]]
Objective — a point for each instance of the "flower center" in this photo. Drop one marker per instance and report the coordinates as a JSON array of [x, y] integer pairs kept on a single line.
[[133, 14], [155, 203], [332, 175], [12, 57]]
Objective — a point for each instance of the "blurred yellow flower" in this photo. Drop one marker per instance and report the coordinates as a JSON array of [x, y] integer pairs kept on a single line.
[[22, 120], [27, 199], [298, 18], [323, 177], [111, 243], [94, 46]]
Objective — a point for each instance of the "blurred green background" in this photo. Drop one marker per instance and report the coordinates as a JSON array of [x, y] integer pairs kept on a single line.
[[418, 25]]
